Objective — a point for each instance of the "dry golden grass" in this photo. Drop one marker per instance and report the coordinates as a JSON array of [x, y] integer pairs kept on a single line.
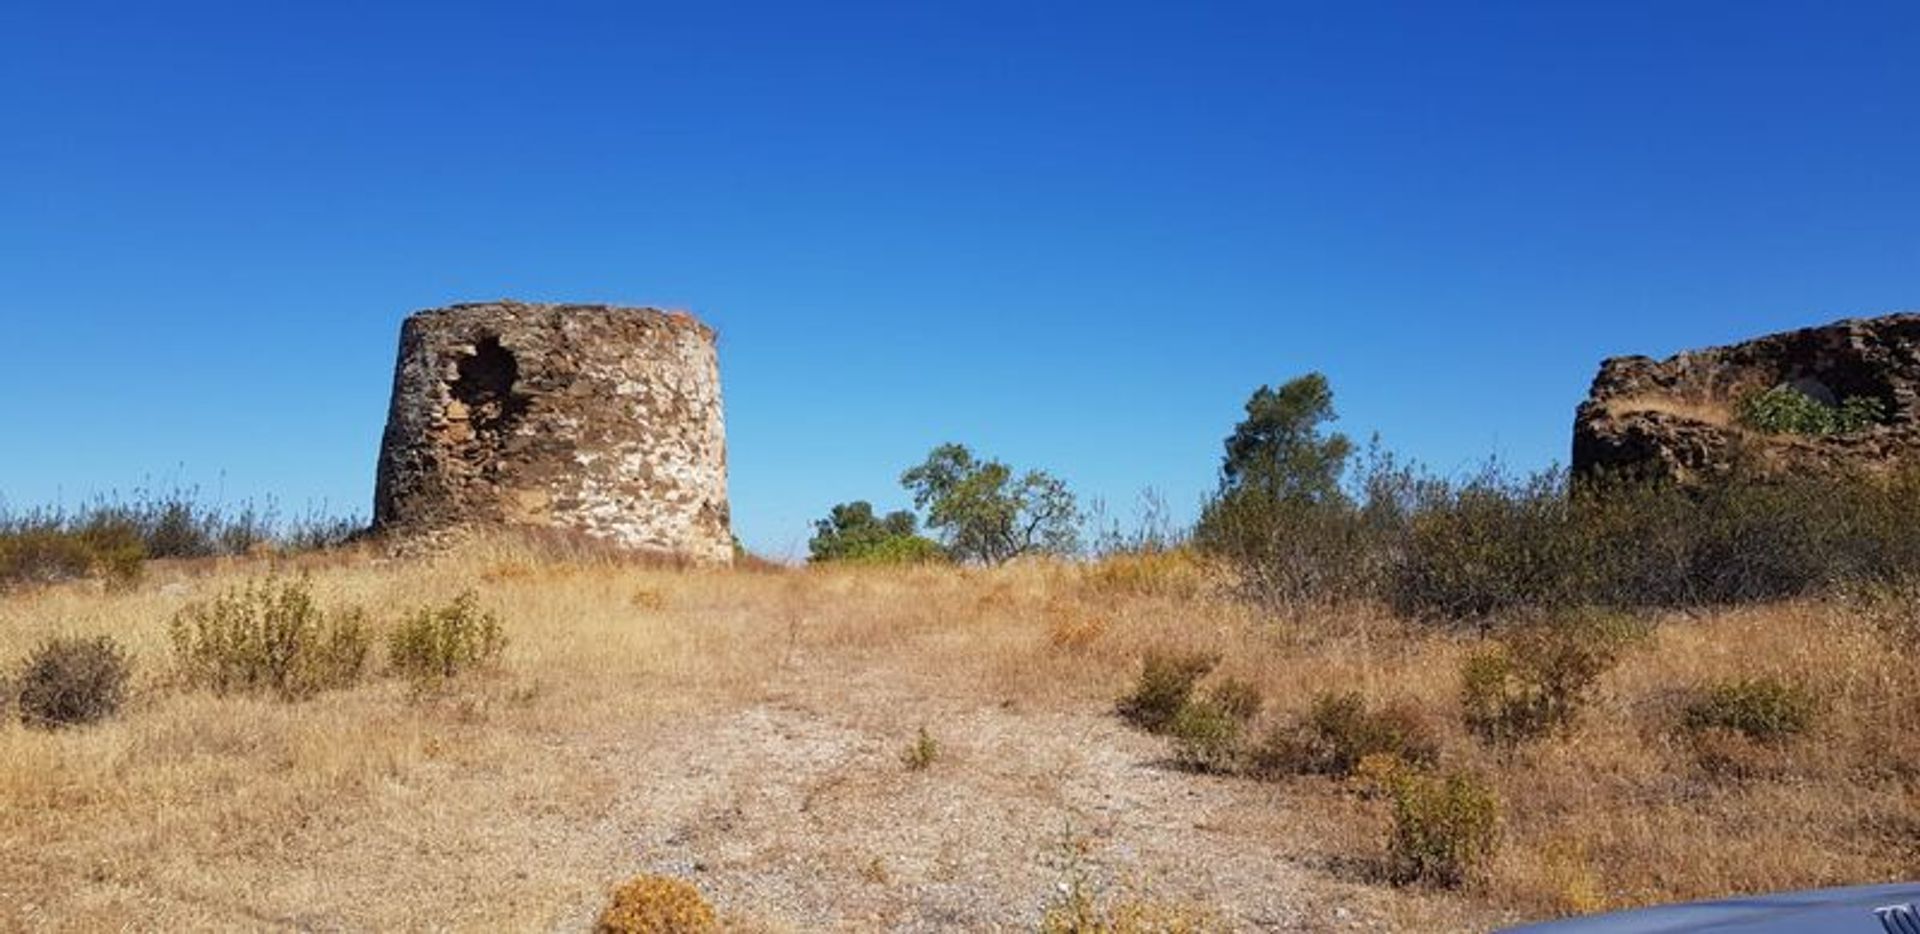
[[743, 730], [1716, 412]]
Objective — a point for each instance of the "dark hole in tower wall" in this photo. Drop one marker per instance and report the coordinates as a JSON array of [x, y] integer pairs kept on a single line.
[[483, 385]]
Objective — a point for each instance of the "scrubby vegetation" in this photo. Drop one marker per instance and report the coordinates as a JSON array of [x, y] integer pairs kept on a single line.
[[1486, 697], [1444, 827], [69, 681], [270, 635], [437, 643], [1208, 732], [1165, 687], [1341, 733], [1303, 525], [1543, 597], [922, 753], [110, 538], [1765, 709], [1329, 737], [1534, 680]]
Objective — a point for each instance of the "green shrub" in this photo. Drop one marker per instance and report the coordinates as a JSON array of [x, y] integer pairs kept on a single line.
[[1207, 731], [1785, 410], [1763, 709], [68, 681], [853, 533], [910, 549], [269, 635], [437, 643], [1490, 545], [922, 754], [1534, 681], [1205, 737], [1444, 827], [1164, 687], [1339, 732]]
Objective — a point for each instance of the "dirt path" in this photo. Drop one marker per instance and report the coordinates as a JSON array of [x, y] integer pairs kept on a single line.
[[799, 812]]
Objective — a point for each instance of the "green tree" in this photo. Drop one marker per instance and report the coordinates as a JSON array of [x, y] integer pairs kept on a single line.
[[1282, 448], [986, 513], [852, 532], [1280, 516]]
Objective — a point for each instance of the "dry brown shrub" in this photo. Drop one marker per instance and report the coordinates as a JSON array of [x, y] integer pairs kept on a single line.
[[70, 681], [657, 905]]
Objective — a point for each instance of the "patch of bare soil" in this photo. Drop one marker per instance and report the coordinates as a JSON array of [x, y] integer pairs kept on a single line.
[[799, 812]]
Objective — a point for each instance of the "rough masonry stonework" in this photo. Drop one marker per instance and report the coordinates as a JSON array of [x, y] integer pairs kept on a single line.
[[1678, 417], [593, 419]]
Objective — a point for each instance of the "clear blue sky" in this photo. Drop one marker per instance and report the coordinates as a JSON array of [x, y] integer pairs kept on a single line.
[[1071, 235]]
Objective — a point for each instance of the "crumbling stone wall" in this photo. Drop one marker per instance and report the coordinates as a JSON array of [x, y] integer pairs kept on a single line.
[[1679, 417], [591, 418]]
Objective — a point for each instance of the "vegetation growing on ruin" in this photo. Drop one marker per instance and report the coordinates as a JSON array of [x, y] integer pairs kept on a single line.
[[1786, 410]]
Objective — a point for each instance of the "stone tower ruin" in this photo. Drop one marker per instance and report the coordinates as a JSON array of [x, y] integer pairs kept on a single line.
[[1679, 418], [593, 419]]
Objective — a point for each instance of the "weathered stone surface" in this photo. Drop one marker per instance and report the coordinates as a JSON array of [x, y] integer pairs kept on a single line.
[[594, 419], [1678, 417]]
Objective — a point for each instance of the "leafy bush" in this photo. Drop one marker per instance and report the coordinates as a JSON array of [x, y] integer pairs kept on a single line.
[[909, 549], [269, 635], [1291, 554], [1534, 681], [1339, 733], [1205, 737], [1763, 709], [68, 681], [1164, 687], [656, 905], [851, 532], [1444, 828], [437, 643], [1207, 732], [1785, 410], [1489, 545], [42, 549]]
